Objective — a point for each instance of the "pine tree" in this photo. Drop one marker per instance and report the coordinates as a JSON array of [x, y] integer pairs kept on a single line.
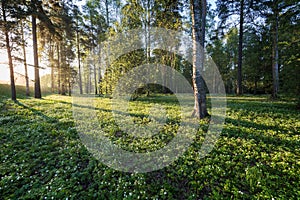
[[8, 12], [245, 10]]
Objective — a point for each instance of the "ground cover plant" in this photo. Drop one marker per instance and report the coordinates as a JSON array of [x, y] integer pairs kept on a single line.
[[256, 157]]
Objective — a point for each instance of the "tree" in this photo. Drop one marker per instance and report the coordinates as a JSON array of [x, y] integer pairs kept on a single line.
[[275, 69], [96, 27], [77, 20], [37, 85], [198, 10], [47, 40], [7, 26], [35, 9], [254, 59], [219, 53], [23, 44], [272, 10], [281, 17], [59, 44], [289, 48], [66, 47], [167, 14], [245, 11], [240, 60]]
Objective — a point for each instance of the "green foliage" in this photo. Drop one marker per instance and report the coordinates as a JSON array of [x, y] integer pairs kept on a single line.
[[133, 14], [119, 68], [259, 46], [256, 157]]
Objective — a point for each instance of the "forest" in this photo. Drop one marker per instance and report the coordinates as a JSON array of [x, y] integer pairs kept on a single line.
[[186, 65]]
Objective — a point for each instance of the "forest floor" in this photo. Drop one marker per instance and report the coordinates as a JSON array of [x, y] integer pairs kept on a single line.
[[256, 157]]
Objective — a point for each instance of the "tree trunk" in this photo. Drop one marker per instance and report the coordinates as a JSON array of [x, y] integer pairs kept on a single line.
[[52, 66], [95, 77], [148, 40], [99, 74], [37, 85], [10, 63], [198, 32], [86, 78], [69, 79], [58, 69], [107, 12], [240, 58], [79, 60], [63, 69], [255, 86], [90, 79], [25, 60], [91, 61], [275, 69]]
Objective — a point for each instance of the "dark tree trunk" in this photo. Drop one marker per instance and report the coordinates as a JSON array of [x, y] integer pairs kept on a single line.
[[63, 69], [95, 77], [107, 12], [255, 86], [99, 75], [240, 56], [87, 83], [69, 80], [90, 79], [148, 40], [25, 60], [275, 70], [37, 85], [79, 60], [58, 69], [10, 62], [52, 66]]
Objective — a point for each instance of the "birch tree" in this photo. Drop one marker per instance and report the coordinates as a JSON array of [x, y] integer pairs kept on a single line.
[[198, 11]]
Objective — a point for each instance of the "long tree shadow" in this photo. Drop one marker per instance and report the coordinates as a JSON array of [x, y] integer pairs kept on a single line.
[[37, 112], [238, 132], [59, 149], [259, 126], [44, 143], [265, 107]]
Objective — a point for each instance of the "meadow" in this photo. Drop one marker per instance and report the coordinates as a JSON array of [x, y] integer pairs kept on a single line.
[[42, 157]]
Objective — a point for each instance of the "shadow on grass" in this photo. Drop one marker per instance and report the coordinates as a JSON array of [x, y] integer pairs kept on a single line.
[[258, 136], [262, 106], [47, 155], [36, 112], [140, 115]]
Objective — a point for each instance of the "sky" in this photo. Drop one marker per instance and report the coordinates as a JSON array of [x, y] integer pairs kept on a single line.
[[213, 3], [4, 70], [18, 68], [3, 67]]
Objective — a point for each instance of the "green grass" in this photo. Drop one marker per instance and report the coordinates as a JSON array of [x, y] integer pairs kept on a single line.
[[5, 91], [20, 91], [256, 157]]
